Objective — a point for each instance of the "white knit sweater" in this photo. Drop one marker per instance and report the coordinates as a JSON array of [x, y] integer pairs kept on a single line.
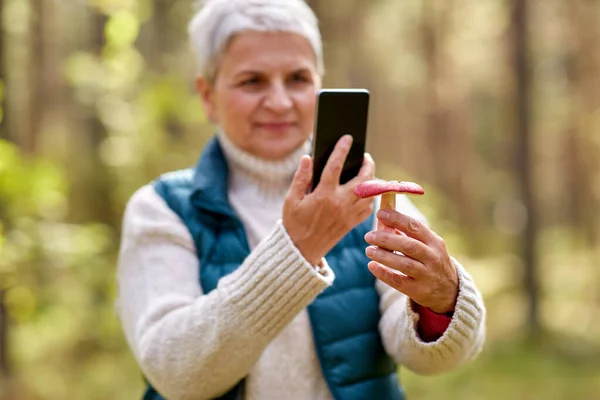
[[254, 324]]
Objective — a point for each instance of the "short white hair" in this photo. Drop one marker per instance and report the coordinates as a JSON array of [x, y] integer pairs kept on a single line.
[[217, 21]]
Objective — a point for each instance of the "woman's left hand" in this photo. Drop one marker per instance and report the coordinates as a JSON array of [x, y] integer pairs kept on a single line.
[[423, 272]]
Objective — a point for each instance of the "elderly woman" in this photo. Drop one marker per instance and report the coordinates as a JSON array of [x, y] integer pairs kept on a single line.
[[236, 283]]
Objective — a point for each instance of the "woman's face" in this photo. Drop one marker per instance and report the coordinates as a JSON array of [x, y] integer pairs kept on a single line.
[[264, 94]]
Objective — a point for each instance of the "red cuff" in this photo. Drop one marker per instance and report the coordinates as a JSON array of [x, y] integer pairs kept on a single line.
[[431, 326]]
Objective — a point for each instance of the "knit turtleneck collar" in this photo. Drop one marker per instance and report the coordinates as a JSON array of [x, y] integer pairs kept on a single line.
[[269, 174]]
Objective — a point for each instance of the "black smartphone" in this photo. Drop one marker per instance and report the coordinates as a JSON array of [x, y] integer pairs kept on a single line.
[[340, 112]]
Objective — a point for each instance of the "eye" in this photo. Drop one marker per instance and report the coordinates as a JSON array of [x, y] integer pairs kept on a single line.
[[254, 80], [300, 77]]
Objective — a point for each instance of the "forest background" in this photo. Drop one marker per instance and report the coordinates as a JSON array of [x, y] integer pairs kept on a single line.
[[493, 106]]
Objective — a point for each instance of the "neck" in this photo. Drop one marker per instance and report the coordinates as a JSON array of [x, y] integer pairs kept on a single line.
[[268, 176]]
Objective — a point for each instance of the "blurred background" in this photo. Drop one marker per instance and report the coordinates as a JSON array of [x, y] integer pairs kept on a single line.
[[493, 106]]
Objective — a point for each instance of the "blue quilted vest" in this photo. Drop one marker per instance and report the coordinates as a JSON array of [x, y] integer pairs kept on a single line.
[[344, 317]]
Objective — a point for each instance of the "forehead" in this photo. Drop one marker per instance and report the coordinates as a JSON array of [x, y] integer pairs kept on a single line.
[[266, 51]]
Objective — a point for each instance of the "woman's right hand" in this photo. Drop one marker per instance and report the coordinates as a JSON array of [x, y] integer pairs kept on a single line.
[[317, 221]]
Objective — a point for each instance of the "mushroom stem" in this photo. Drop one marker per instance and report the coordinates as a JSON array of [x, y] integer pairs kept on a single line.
[[388, 200], [387, 191]]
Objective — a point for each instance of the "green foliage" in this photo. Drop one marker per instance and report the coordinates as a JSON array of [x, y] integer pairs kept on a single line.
[[59, 288], [37, 184], [129, 112], [122, 30], [517, 370]]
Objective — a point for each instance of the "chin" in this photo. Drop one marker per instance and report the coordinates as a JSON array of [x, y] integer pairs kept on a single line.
[[274, 151]]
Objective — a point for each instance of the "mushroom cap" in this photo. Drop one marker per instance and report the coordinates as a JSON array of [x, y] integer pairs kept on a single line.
[[375, 187]]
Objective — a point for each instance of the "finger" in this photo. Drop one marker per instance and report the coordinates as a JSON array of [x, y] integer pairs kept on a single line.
[[360, 208], [357, 202], [410, 226], [393, 278], [365, 214], [302, 179], [335, 163], [406, 245], [367, 171], [399, 262], [366, 202]]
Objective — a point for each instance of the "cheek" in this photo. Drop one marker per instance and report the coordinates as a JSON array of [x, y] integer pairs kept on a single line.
[[238, 108], [306, 107]]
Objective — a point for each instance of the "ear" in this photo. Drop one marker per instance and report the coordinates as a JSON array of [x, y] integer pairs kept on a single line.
[[206, 92]]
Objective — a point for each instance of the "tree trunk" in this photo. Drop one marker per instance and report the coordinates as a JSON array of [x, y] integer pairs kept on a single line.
[[90, 178], [161, 36], [97, 183], [4, 360], [4, 322], [37, 72], [434, 129], [16, 124], [3, 79], [523, 151], [446, 117], [585, 24], [585, 85]]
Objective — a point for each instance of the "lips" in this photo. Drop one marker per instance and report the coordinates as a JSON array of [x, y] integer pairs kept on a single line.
[[275, 128], [275, 125]]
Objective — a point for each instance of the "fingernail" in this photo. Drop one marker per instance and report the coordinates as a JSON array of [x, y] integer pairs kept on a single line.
[[370, 250], [347, 140], [370, 236], [385, 213], [373, 267]]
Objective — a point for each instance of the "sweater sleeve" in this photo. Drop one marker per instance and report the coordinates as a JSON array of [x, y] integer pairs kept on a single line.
[[461, 341], [191, 345]]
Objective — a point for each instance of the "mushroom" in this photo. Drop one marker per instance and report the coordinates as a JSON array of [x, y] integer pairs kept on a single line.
[[388, 191]]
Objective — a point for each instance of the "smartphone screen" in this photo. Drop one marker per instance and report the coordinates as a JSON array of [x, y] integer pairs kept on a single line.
[[340, 112]]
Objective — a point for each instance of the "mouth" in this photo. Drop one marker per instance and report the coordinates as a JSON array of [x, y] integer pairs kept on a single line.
[[275, 126]]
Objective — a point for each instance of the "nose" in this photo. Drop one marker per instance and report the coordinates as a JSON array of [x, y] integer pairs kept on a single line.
[[278, 98]]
